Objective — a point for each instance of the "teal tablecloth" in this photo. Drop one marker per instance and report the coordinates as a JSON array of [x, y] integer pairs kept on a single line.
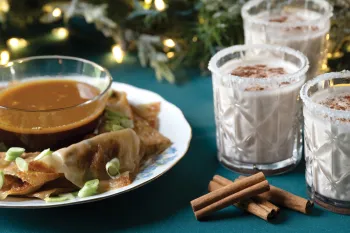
[[163, 205]]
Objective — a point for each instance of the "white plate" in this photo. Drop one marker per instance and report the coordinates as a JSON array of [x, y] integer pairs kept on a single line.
[[172, 125]]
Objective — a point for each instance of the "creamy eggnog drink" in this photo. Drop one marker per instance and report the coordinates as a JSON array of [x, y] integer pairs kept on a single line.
[[301, 25], [327, 140], [257, 110]]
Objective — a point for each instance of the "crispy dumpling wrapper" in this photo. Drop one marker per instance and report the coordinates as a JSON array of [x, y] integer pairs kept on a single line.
[[118, 102], [87, 159], [145, 123], [149, 112], [53, 188], [18, 183], [153, 142]]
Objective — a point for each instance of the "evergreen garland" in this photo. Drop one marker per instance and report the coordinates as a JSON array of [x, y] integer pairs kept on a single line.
[[198, 27]]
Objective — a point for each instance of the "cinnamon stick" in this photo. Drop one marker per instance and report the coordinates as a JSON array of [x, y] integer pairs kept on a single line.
[[247, 205], [233, 198], [289, 200], [230, 189], [280, 197], [265, 204], [257, 199]]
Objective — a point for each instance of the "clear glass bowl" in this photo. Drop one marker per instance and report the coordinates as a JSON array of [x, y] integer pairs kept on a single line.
[[258, 130], [327, 142], [299, 24], [54, 128]]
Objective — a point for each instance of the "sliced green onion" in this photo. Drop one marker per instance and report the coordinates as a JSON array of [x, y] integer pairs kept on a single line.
[[43, 154], [115, 128], [2, 179], [61, 197], [21, 164], [13, 153], [89, 189], [56, 199], [68, 195], [116, 121], [112, 167]]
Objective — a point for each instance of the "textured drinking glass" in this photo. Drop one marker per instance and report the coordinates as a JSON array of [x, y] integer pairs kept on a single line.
[[258, 130], [299, 24], [327, 140], [40, 129]]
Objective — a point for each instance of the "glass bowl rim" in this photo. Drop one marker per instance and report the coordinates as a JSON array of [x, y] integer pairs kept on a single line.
[[58, 57], [248, 5], [260, 81], [319, 108]]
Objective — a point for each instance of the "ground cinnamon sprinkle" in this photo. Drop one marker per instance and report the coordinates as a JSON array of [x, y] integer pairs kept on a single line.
[[338, 103], [281, 19], [256, 88], [258, 71]]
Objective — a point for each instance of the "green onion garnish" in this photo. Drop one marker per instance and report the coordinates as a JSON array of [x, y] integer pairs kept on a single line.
[[43, 154], [21, 164], [61, 197], [68, 195], [2, 179], [116, 121], [89, 189], [13, 153], [112, 167]]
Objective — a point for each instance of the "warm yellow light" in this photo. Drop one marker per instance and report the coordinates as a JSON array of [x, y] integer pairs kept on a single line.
[[60, 33], [16, 43], [4, 6], [169, 43], [56, 12], [325, 67], [201, 20], [47, 8], [335, 55], [148, 2], [4, 57], [170, 54], [118, 53], [160, 5], [195, 39]]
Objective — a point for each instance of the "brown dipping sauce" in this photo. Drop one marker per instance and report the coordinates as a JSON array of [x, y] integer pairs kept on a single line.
[[44, 114]]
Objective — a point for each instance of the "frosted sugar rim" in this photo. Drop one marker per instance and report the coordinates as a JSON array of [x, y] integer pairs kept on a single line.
[[319, 109], [291, 78], [325, 17], [323, 3]]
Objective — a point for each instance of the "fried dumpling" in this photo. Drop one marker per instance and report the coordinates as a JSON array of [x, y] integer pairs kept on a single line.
[[87, 159], [145, 125], [53, 188], [117, 115], [152, 141], [149, 112], [18, 183], [118, 102]]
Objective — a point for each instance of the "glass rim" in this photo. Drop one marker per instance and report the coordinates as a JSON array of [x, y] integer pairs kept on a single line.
[[319, 108], [60, 57], [326, 16], [212, 66]]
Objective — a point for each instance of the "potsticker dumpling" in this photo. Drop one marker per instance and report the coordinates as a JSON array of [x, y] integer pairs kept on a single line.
[[18, 183], [87, 159], [144, 121], [149, 112]]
